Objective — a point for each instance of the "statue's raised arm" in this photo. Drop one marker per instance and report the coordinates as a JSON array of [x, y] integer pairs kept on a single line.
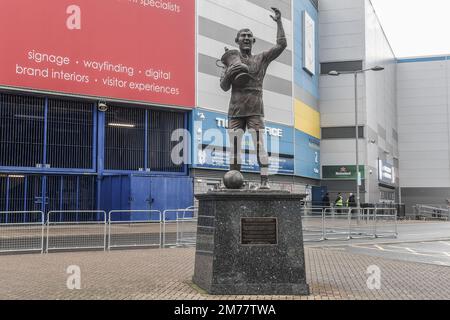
[[276, 51]]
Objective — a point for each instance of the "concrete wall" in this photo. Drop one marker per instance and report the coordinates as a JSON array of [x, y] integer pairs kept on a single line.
[[424, 129], [341, 30], [351, 31], [341, 39], [381, 102]]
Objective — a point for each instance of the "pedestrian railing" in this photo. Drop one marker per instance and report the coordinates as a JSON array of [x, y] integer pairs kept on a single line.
[[385, 222], [180, 227], [337, 224], [187, 227], [345, 223], [21, 231], [80, 230], [313, 224], [134, 228], [432, 212], [73, 230]]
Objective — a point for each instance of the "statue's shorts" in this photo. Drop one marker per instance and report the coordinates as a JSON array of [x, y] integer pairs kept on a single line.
[[236, 130]]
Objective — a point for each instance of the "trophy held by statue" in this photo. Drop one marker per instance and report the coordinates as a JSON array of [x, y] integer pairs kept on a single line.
[[230, 59]]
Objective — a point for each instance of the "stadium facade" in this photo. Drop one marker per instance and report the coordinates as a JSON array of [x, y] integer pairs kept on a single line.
[[89, 107]]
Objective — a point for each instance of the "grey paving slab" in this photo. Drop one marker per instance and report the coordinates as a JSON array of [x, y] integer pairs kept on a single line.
[[165, 274]]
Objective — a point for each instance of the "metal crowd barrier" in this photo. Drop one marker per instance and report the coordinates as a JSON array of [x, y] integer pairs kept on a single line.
[[187, 227], [386, 222], [134, 228], [313, 224], [21, 231], [180, 227], [320, 223], [432, 212], [73, 230]]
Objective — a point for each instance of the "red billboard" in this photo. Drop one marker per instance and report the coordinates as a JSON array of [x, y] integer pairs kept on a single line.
[[139, 50]]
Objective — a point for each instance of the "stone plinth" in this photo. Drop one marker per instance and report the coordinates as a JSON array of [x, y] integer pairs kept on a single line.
[[250, 243]]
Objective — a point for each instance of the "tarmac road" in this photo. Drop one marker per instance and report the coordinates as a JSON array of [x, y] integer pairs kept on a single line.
[[423, 242]]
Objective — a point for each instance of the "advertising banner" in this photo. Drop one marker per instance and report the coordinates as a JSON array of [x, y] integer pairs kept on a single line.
[[307, 155], [212, 146], [386, 173], [342, 172], [137, 50]]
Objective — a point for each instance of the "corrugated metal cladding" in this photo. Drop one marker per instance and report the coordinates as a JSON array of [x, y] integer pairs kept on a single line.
[[52, 150]]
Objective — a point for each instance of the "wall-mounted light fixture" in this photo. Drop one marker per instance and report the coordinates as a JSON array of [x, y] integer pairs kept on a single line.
[[121, 125]]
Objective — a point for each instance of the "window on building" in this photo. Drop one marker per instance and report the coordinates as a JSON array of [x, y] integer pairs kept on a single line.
[[341, 133], [340, 66]]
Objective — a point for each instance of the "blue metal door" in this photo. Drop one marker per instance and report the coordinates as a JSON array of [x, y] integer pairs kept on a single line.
[[140, 195], [170, 193]]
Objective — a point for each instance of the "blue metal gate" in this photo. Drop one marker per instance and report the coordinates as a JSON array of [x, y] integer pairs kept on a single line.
[[53, 150], [47, 193]]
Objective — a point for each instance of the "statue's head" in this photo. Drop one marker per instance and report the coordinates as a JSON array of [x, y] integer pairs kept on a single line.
[[245, 40]]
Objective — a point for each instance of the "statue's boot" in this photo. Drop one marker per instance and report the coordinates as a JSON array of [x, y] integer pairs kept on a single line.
[[265, 183], [236, 167]]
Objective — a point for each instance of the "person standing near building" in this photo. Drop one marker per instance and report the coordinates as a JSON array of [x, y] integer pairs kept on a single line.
[[339, 203], [326, 200], [351, 202]]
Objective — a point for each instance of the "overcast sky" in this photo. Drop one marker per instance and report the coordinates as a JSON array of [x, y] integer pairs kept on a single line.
[[416, 27]]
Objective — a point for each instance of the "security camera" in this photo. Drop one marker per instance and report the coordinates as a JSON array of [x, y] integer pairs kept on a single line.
[[102, 106]]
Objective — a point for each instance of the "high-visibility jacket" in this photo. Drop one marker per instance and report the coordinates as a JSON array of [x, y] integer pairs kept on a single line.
[[339, 202]]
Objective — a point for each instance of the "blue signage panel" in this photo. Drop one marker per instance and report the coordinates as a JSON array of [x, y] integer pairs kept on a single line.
[[211, 144], [307, 155]]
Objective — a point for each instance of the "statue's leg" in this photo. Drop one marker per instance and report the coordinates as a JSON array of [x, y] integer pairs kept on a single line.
[[256, 128], [236, 129]]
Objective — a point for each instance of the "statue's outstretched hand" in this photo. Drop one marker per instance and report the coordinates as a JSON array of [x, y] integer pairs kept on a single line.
[[277, 16]]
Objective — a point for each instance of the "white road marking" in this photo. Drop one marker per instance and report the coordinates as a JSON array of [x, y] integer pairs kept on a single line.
[[446, 243], [379, 247], [403, 248], [441, 263]]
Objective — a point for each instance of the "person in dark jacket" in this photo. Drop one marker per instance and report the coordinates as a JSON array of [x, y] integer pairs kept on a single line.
[[326, 200], [351, 202]]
